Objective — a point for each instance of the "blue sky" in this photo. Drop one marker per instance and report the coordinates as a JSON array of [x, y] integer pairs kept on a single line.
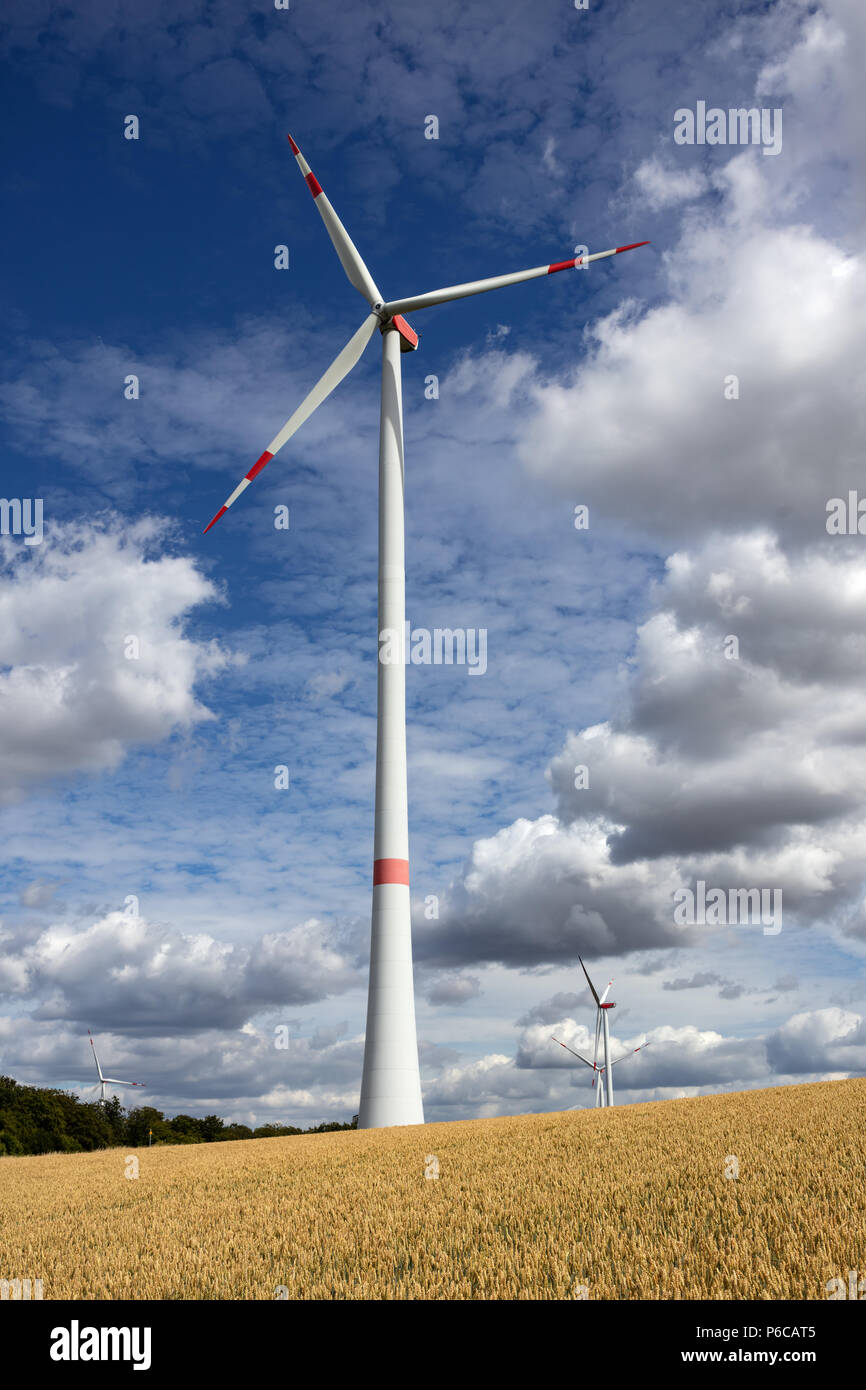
[[156, 886]]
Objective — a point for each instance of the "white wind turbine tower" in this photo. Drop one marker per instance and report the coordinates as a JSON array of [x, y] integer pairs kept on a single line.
[[603, 1074], [107, 1080], [391, 1082]]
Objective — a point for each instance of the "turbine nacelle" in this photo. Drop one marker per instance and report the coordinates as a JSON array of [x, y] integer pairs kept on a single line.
[[408, 336]]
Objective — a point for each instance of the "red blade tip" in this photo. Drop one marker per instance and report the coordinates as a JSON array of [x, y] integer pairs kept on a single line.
[[222, 511], [632, 247], [295, 149]]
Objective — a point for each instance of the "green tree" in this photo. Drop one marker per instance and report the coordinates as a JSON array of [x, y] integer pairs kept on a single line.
[[237, 1132], [186, 1129], [141, 1121], [37, 1120]]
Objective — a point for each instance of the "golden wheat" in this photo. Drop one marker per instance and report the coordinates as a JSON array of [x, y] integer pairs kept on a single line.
[[631, 1203]]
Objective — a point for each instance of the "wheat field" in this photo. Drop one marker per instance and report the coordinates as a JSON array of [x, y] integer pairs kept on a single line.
[[632, 1203]]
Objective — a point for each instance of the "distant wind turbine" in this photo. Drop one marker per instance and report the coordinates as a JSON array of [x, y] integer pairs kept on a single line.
[[391, 1082], [107, 1080], [603, 1074]]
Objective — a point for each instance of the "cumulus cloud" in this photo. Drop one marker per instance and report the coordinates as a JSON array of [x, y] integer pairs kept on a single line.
[[672, 1061], [746, 771], [717, 752], [239, 1074], [831, 1040], [669, 1056], [96, 660], [125, 972], [483, 1087], [540, 891], [660, 445]]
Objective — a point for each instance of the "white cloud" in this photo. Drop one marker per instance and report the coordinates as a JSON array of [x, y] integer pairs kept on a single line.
[[715, 752], [746, 773], [661, 186], [95, 656], [820, 1040], [642, 430], [125, 972]]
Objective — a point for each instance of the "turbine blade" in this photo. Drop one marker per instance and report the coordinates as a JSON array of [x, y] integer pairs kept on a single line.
[[340, 367], [572, 1051], [597, 1031], [116, 1081], [95, 1058], [497, 282], [350, 257], [589, 981], [607, 991], [626, 1055]]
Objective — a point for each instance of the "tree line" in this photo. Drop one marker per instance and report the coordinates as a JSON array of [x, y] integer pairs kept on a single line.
[[37, 1120]]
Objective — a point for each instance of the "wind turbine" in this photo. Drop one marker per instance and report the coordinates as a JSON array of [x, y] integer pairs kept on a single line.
[[107, 1080], [604, 1073], [391, 1081]]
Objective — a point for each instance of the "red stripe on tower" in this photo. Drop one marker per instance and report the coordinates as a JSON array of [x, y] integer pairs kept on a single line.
[[390, 871], [259, 465], [562, 265]]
